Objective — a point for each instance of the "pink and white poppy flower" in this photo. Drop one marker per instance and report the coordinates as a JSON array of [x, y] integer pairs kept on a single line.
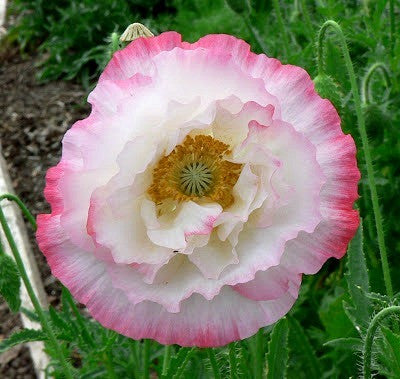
[[206, 180]]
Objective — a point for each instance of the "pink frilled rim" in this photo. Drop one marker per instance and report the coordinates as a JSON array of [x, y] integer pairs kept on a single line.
[[103, 242]]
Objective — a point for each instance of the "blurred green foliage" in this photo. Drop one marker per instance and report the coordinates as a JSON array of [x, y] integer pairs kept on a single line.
[[71, 36]]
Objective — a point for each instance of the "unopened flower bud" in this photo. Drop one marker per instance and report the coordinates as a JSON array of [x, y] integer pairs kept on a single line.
[[134, 31], [327, 88]]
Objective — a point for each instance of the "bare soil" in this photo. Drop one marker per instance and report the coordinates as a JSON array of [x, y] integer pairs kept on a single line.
[[33, 119]]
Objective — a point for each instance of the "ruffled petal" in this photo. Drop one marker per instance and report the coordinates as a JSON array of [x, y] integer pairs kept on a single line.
[[267, 285], [200, 322], [212, 258], [244, 192], [198, 274], [137, 56], [259, 248], [190, 219], [318, 120], [118, 226]]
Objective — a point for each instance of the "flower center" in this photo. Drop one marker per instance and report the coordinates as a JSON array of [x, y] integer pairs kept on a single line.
[[195, 170], [196, 179]]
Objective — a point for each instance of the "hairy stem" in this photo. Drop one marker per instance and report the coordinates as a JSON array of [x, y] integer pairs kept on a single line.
[[114, 46], [214, 363], [167, 359], [134, 356], [35, 301], [369, 339], [182, 367], [366, 93], [146, 359], [233, 361], [364, 138]]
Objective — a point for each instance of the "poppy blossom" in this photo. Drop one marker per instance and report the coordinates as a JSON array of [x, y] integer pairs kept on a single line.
[[206, 180]]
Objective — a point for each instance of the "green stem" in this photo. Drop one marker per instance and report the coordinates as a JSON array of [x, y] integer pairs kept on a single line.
[[369, 339], [366, 95], [114, 43], [364, 139], [392, 25], [214, 363], [22, 206], [42, 317], [182, 367], [254, 34], [134, 355], [370, 227], [307, 19], [366, 8], [86, 335], [167, 359], [233, 361], [283, 30], [109, 366], [2, 248], [146, 359], [259, 354]]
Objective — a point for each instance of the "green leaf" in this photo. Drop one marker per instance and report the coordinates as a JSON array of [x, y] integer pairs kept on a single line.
[[277, 356], [239, 6], [176, 361], [303, 347], [182, 366], [351, 313], [23, 336], [10, 282], [357, 278], [334, 318], [95, 373], [32, 315], [244, 359], [57, 321], [353, 344], [392, 351]]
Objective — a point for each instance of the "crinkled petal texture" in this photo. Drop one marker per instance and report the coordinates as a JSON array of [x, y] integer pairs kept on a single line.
[[198, 270]]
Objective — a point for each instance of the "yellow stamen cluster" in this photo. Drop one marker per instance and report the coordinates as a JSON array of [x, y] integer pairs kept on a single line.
[[194, 170]]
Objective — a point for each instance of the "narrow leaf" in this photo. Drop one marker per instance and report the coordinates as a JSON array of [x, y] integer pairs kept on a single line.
[[392, 350], [277, 356], [30, 314], [244, 362], [176, 362], [57, 321], [350, 343], [10, 282], [23, 336], [303, 346], [96, 373], [351, 313], [181, 368], [357, 278]]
